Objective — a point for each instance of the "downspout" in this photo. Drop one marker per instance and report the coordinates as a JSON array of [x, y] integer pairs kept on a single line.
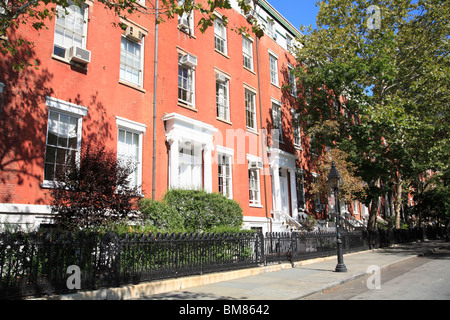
[[155, 86], [262, 136]]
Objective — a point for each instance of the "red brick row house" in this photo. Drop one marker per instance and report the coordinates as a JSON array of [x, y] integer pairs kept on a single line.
[[206, 110]]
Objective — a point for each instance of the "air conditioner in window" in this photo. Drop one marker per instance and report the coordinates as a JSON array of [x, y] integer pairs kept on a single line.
[[220, 78], [79, 55], [188, 60], [255, 165], [133, 35], [251, 15], [183, 23]]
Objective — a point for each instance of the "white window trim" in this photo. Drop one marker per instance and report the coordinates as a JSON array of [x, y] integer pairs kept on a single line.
[[69, 108], [277, 77], [258, 204], [183, 102], [138, 128], [229, 153], [279, 138], [296, 122], [227, 110], [224, 37], [190, 19], [250, 56], [141, 67], [255, 122], [85, 7], [292, 86]]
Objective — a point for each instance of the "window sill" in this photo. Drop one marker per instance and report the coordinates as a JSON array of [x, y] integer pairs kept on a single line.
[[188, 32], [221, 53], [255, 206], [224, 120], [298, 147], [131, 85], [48, 184], [64, 60], [251, 130], [275, 85], [186, 106], [250, 70]]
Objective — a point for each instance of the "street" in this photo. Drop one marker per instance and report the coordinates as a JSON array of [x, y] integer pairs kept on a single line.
[[420, 278]]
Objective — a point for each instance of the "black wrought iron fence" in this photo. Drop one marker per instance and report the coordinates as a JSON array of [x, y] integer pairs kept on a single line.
[[38, 263]]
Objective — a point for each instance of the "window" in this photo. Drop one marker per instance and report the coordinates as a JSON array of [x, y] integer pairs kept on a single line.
[[271, 28], [254, 191], [292, 82], [131, 61], [129, 148], [300, 189], [186, 83], [220, 36], [273, 61], [296, 129], [190, 167], [250, 109], [247, 49], [186, 20], [63, 141], [225, 184], [288, 42], [277, 121], [222, 97], [71, 29]]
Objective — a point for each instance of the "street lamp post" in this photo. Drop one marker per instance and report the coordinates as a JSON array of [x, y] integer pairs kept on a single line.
[[333, 180]]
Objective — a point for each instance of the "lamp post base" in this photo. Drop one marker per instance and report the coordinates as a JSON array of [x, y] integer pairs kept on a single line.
[[340, 267]]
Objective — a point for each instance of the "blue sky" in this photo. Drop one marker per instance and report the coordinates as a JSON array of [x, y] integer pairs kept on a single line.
[[298, 12]]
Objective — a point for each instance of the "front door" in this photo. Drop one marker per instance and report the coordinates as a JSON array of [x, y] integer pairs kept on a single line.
[[284, 191]]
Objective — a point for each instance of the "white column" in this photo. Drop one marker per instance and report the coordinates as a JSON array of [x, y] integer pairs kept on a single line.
[[173, 162], [207, 167], [276, 186], [293, 193]]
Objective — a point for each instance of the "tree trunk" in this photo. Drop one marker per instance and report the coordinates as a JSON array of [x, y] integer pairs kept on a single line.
[[372, 223], [398, 200]]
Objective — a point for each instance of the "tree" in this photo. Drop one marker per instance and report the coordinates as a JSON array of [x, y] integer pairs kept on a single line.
[[94, 190], [382, 75], [37, 13]]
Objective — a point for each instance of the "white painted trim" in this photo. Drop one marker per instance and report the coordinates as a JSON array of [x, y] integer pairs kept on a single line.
[[61, 105], [132, 125], [25, 208]]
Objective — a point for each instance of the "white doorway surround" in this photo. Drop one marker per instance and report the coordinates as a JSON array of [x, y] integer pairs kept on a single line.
[[284, 190], [191, 145]]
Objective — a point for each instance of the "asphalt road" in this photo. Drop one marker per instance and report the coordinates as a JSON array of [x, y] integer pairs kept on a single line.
[[420, 278]]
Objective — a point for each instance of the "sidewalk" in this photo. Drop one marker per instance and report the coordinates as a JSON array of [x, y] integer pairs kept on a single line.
[[273, 282], [303, 278]]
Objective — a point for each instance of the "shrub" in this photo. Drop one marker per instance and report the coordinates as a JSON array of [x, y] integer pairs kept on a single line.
[[203, 211], [160, 215]]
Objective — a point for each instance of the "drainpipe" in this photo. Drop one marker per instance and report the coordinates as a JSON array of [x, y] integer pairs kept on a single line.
[[262, 136], [155, 86]]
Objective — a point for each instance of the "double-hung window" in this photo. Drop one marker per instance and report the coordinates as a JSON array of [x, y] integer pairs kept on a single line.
[[63, 141], [277, 121], [254, 191], [186, 83], [71, 29], [129, 148], [222, 97], [131, 61], [220, 36], [292, 82], [186, 20], [250, 109], [224, 174], [273, 62], [296, 129], [247, 49]]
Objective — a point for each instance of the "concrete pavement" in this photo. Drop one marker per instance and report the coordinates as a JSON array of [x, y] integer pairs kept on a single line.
[[302, 278], [273, 282]]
